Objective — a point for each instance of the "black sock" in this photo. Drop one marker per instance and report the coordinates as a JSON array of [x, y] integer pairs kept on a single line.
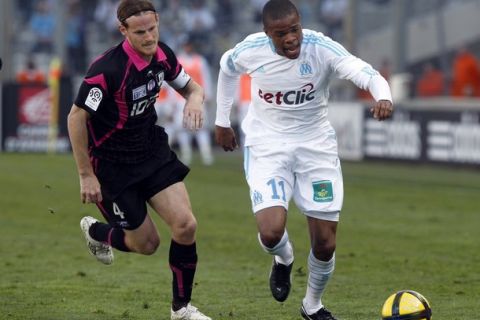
[[183, 263], [106, 233]]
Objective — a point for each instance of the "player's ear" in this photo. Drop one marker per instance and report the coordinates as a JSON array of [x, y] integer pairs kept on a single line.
[[265, 29], [122, 29]]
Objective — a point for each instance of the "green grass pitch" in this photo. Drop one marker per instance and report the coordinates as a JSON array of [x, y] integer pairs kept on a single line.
[[403, 227]]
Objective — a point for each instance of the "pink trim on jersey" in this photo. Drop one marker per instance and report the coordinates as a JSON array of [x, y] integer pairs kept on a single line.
[[178, 273], [120, 100], [93, 161], [139, 62], [98, 79], [92, 133], [160, 55]]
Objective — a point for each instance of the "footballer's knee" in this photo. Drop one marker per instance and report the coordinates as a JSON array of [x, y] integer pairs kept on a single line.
[[323, 249], [148, 246], [152, 245], [185, 230], [271, 238]]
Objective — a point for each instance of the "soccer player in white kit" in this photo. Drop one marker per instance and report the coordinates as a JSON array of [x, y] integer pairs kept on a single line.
[[290, 146]]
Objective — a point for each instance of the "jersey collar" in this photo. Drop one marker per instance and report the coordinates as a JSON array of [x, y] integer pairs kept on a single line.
[[137, 60]]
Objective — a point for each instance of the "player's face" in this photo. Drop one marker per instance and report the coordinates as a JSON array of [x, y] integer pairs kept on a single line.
[[142, 33], [286, 35]]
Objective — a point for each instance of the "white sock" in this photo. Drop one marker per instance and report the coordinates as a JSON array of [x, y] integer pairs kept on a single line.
[[319, 274], [283, 251]]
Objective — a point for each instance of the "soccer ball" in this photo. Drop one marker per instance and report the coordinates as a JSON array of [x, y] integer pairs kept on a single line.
[[406, 305]]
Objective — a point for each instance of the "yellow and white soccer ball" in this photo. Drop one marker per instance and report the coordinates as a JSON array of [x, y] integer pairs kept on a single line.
[[406, 305]]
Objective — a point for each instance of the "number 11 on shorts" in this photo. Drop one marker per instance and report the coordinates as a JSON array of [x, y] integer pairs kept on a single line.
[[273, 184]]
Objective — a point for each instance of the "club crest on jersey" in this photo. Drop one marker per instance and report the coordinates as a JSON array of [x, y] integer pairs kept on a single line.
[[151, 85], [139, 92], [305, 69], [322, 191], [94, 98]]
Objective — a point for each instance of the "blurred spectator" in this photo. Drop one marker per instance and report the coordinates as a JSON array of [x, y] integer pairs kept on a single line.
[[75, 38], [225, 14], [24, 9], [307, 11], [332, 14], [431, 82], [199, 23], [198, 68], [87, 11], [106, 18], [257, 6], [198, 20], [465, 74], [171, 17], [42, 26], [386, 69], [31, 74]]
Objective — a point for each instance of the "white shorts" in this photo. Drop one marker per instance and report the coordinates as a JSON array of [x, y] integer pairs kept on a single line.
[[309, 171]]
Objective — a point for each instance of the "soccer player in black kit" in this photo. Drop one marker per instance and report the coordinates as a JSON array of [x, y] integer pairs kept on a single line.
[[123, 158]]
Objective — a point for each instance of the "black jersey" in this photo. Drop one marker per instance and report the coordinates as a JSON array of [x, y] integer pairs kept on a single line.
[[119, 92]]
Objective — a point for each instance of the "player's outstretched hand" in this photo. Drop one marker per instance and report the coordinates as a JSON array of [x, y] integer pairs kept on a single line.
[[225, 137], [193, 116], [382, 110]]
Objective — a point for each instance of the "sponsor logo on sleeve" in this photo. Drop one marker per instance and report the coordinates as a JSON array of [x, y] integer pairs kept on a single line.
[[94, 98]]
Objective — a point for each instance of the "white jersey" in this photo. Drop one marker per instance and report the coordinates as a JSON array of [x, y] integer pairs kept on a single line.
[[290, 96]]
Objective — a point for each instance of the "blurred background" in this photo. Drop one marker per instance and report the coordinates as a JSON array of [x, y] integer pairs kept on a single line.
[[429, 51]]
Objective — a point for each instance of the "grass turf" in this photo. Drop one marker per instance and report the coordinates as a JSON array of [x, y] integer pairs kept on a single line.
[[403, 227]]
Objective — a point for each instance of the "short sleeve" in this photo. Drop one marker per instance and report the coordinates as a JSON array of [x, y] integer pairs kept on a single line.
[[94, 89]]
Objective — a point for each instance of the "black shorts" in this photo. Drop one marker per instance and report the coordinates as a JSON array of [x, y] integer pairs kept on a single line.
[[126, 188]]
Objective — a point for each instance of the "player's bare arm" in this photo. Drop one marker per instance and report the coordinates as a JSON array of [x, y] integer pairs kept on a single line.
[[382, 110], [90, 191], [193, 111], [225, 137]]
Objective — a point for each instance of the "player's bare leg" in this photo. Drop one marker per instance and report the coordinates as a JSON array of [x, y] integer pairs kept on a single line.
[[173, 206]]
